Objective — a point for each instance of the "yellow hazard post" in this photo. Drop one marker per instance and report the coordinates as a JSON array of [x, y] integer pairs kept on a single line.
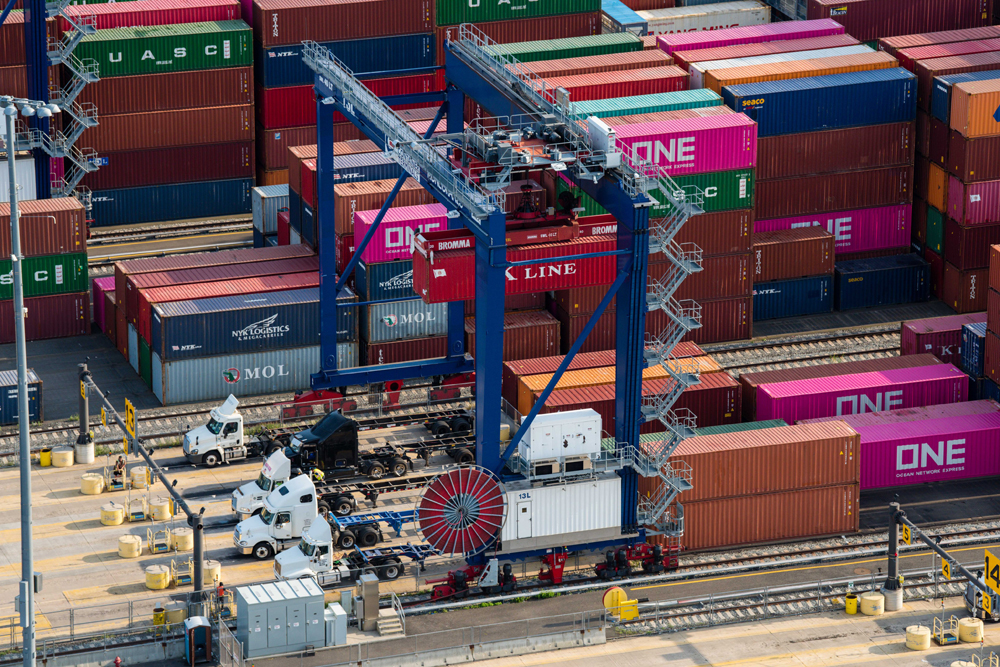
[[946, 569], [906, 533]]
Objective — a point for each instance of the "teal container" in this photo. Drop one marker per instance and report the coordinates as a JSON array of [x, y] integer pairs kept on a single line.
[[573, 47], [625, 106]]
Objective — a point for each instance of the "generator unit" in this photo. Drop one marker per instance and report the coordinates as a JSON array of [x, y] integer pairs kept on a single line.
[[561, 443]]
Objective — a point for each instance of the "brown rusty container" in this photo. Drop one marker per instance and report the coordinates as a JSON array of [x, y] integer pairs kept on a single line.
[[14, 80], [165, 92], [937, 187], [292, 21], [721, 320], [397, 351], [163, 129], [272, 145], [832, 151], [937, 143], [750, 381], [608, 62], [276, 177], [904, 41], [965, 291], [722, 277], [973, 160], [179, 164], [926, 70], [792, 253], [48, 227], [834, 192], [370, 195], [602, 336], [995, 267], [992, 357], [12, 38], [529, 30], [121, 331], [527, 334], [993, 310], [722, 233], [797, 69], [969, 247]]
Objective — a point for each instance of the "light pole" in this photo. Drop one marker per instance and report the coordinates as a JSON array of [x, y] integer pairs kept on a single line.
[[26, 597]]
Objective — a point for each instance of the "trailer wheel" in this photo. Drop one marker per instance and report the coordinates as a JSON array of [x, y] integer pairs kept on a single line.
[[343, 506], [440, 428], [390, 569], [368, 537], [399, 467], [346, 540], [324, 508], [211, 459], [463, 456], [460, 425], [377, 471], [272, 448], [263, 551]]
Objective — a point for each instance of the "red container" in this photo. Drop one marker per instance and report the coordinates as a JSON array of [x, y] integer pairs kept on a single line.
[[110, 317], [871, 19], [273, 145], [57, 316], [628, 83], [994, 264], [398, 351], [284, 232], [973, 159], [602, 336], [937, 271], [940, 336], [974, 203], [894, 44], [292, 21], [926, 70], [642, 5], [185, 164], [526, 335], [608, 62], [720, 233], [345, 250], [832, 151], [684, 58], [12, 38], [721, 320], [834, 192], [969, 247], [164, 129], [121, 332], [154, 12], [792, 253], [48, 227], [937, 144], [991, 358], [993, 310], [964, 291], [513, 370], [164, 92], [529, 30], [14, 80], [908, 57], [724, 277]]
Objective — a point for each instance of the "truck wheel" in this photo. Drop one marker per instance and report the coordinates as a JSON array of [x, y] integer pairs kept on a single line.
[[271, 449], [463, 456], [368, 537], [343, 506], [440, 428], [377, 471], [324, 508], [460, 425], [399, 467], [346, 540], [391, 569], [263, 551], [211, 459]]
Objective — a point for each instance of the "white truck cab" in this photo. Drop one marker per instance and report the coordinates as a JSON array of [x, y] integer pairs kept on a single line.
[[249, 498], [288, 511], [312, 558], [210, 442]]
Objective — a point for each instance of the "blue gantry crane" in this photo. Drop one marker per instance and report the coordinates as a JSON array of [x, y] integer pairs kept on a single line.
[[586, 152]]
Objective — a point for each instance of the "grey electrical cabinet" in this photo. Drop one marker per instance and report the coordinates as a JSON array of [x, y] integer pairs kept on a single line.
[[280, 617], [336, 625]]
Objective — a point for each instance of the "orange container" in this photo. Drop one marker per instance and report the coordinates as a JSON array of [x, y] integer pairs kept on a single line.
[[798, 69], [973, 104], [937, 188]]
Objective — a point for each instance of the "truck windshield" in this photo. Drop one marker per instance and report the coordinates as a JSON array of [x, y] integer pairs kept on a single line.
[[267, 517], [307, 548], [263, 483], [214, 427]]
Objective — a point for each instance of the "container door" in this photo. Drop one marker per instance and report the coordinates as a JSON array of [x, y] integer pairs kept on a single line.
[[296, 623], [257, 624], [524, 519], [277, 632]]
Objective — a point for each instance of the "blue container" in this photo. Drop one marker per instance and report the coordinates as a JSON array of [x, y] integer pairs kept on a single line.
[[385, 280], [616, 17], [976, 388], [258, 238], [361, 167], [294, 210], [8, 397], [973, 348], [792, 298], [279, 66], [941, 90], [990, 390], [827, 102], [881, 281], [245, 323], [172, 202]]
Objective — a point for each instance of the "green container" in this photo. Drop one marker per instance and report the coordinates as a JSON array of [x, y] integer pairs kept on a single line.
[[739, 428], [572, 47], [624, 106], [935, 230], [587, 203], [50, 274], [169, 48], [720, 190], [145, 363], [453, 12]]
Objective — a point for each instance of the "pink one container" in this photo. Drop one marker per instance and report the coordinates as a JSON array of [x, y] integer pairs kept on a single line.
[[101, 285], [706, 39], [392, 239], [982, 407], [859, 230], [694, 145], [940, 336], [862, 392], [974, 203]]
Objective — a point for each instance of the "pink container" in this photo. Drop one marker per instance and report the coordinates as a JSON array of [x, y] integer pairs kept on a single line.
[[770, 32], [101, 285], [859, 230], [940, 336], [929, 450], [155, 12], [862, 392], [694, 145], [974, 203], [392, 239], [57, 169], [913, 414]]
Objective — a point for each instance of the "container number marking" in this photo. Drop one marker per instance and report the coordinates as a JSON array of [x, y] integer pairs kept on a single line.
[[992, 571], [524, 496]]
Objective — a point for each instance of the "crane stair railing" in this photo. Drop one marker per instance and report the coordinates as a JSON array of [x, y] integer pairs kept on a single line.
[[669, 522], [85, 69], [420, 160], [83, 116], [83, 194], [82, 20], [61, 49]]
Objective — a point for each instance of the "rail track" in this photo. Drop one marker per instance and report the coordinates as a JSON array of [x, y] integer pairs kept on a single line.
[[154, 232]]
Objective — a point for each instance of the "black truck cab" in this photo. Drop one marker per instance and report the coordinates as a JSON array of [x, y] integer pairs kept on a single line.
[[331, 445]]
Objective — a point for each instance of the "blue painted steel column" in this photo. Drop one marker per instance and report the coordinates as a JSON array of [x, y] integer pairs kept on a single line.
[[456, 309], [327, 232], [37, 52], [490, 290]]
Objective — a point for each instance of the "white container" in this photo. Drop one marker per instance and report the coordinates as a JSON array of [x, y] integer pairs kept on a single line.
[[84, 452], [294, 238], [706, 17], [133, 348], [560, 434], [570, 513], [265, 201], [697, 70], [24, 171]]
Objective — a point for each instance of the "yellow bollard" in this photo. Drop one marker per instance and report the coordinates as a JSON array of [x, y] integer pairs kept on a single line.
[[970, 630], [872, 604], [918, 637], [159, 616], [45, 457], [851, 603]]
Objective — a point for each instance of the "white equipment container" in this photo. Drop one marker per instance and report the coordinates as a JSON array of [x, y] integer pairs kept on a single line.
[[559, 435]]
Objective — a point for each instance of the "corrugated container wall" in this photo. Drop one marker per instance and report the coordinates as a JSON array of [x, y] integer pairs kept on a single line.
[[792, 298], [231, 86], [9, 395], [864, 283], [292, 21], [172, 202], [973, 348], [530, 334], [705, 17], [871, 19], [702, 39], [858, 230], [940, 336], [57, 316], [48, 227], [792, 253], [403, 319], [178, 164], [265, 204]]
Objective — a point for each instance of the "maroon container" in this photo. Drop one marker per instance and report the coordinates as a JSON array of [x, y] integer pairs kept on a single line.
[[973, 160], [602, 336], [940, 336], [723, 233], [526, 335], [13, 79], [834, 192], [110, 317], [529, 30], [48, 227], [292, 21], [926, 70], [163, 129], [868, 20], [921, 177], [397, 351], [176, 90], [923, 132], [154, 12], [121, 332], [722, 277], [583, 300], [628, 83], [969, 247], [644, 5], [964, 291], [937, 271], [993, 310], [345, 250], [721, 320], [792, 253], [992, 357], [918, 227], [58, 316], [909, 57], [273, 145], [894, 44], [186, 164], [870, 254], [937, 144], [995, 268], [832, 151], [12, 38]]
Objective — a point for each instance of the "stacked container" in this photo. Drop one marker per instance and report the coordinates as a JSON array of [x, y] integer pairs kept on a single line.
[[973, 352], [868, 20], [991, 340], [266, 202], [792, 273]]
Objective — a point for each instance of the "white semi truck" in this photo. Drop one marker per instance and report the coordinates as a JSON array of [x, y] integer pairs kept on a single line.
[[288, 512], [221, 439]]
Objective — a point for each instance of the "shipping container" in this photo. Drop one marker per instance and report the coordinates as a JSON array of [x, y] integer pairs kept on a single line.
[[232, 86], [973, 348], [908, 58], [792, 253], [529, 334], [47, 275], [100, 287], [168, 48], [361, 201], [55, 316], [927, 70], [722, 320], [627, 83], [609, 62], [616, 16], [694, 145], [354, 168], [624, 106], [48, 227], [993, 310], [964, 291], [172, 202], [151, 12], [394, 352], [994, 263], [792, 298], [12, 37], [273, 145], [251, 374], [728, 276], [553, 512], [834, 101], [731, 36], [545, 38], [943, 86], [400, 320], [736, 428], [264, 205], [684, 58], [858, 230], [121, 333], [991, 356], [454, 12], [937, 270], [513, 370], [385, 280], [865, 283], [832, 192], [716, 16], [164, 129], [569, 47], [903, 41], [831, 151], [780, 66], [179, 164], [291, 22], [973, 159], [942, 411], [969, 247], [973, 203], [110, 311], [940, 336], [398, 227], [872, 19], [659, 116], [936, 181], [9, 403], [602, 337], [24, 170]]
